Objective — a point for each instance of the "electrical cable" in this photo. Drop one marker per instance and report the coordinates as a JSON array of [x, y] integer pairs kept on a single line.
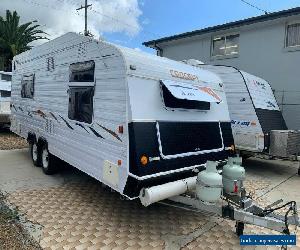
[[293, 207], [150, 34], [254, 6]]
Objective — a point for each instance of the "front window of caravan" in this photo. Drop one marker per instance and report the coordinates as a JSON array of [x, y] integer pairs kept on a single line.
[[175, 103], [180, 95], [225, 45], [27, 86], [81, 104], [82, 72]]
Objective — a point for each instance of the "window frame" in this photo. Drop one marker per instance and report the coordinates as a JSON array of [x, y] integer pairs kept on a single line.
[[225, 35], [77, 86], [290, 48]]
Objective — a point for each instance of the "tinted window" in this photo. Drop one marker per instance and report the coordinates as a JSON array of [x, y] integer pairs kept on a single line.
[[82, 71], [27, 86], [81, 104], [6, 77], [5, 93], [173, 102]]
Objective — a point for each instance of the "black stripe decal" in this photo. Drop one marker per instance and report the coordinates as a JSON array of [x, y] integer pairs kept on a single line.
[[80, 125], [21, 109], [96, 133], [29, 113], [66, 122], [53, 116], [109, 131], [15, 108]]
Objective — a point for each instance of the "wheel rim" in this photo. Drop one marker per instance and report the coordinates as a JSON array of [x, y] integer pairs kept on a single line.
[[45, 158], [34, 152]]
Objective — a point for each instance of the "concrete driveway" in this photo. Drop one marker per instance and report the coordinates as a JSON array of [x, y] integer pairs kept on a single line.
[[75, 212]]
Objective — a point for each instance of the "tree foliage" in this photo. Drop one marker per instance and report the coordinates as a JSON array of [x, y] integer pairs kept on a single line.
[[15, 38]]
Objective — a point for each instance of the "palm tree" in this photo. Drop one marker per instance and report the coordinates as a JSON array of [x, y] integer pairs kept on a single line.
[[16, 38]]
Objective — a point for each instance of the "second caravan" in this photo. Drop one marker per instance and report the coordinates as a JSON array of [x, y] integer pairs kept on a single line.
[[257, 122], [5, 92]]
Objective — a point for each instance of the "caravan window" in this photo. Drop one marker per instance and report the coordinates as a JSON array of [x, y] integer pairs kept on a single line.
[[81, 104], [82, 71], [185, 96], [5, 93], [6, 77], [27, 86]]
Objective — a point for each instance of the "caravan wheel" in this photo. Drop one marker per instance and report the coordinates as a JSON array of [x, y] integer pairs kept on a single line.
[[35, 154], [48, 161]]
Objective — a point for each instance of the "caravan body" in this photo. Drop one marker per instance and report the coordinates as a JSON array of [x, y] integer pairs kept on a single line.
[[253, 109], [127, 118], [5, 93]]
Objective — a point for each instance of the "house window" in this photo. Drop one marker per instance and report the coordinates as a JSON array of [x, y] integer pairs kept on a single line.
[[82, 71], [293, 35], [81, 104], [27, 86], [225, 45]]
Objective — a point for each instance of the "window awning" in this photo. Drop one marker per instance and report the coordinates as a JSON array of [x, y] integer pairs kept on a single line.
[[187, 91]]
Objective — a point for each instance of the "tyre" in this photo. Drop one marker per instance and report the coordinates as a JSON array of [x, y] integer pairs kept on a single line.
[[35, 154], [48, 161]]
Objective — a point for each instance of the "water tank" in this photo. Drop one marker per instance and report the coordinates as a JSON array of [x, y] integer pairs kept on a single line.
[[233, 176], [209, 184]]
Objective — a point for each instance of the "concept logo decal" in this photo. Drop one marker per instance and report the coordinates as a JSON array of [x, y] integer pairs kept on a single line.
[[183, 75]]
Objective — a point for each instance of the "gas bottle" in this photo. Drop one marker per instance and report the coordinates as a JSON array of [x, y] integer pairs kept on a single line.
[[209, 183], [233, 176]]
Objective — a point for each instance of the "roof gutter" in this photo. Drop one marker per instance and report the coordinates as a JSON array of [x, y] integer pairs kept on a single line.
[[159, 50], [235, 24]]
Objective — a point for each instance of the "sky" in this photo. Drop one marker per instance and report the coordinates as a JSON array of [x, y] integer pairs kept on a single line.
[[131, 22]]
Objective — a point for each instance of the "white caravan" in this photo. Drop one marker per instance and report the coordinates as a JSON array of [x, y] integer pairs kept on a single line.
[[127, 118], [5, 93], [253, 109]]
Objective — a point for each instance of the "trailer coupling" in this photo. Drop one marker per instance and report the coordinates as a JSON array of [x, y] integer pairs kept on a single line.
[[247, 212], [224, 196]]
